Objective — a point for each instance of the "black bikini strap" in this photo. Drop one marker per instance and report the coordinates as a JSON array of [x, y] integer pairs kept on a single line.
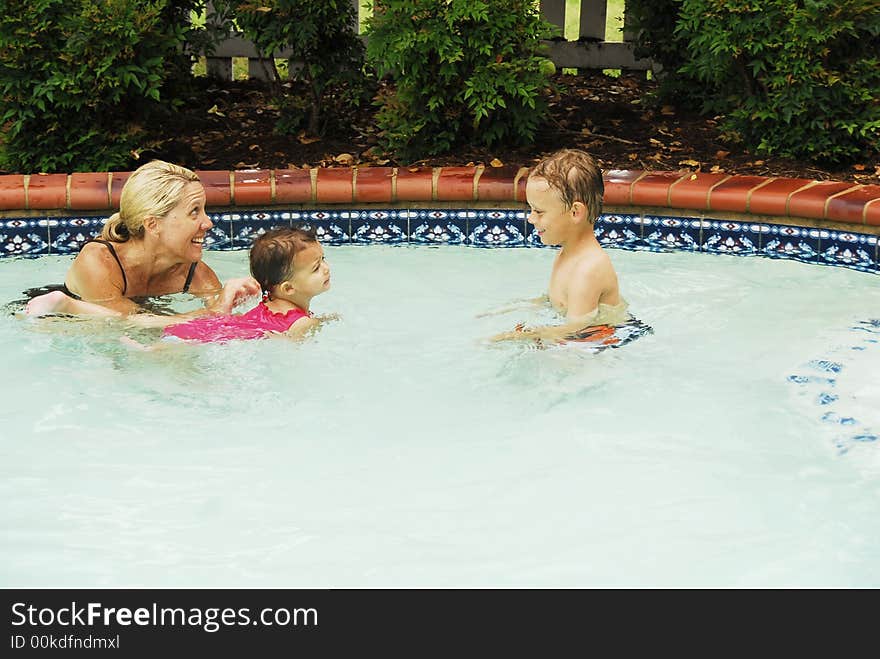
[[115, 256], [189, 277]]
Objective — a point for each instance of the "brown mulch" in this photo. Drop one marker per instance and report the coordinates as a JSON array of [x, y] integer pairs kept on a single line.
[[230, 125]]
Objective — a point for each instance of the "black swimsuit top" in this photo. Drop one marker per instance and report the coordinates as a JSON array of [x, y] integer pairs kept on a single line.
[[109, 245]]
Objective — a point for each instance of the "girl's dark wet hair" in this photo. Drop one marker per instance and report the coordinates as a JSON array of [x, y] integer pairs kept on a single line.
[[273, 253]]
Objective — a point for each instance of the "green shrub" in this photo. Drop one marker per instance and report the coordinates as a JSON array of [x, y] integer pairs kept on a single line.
[[799, 79], [79, 79], [326, 54], [461, 71], [653, 24]]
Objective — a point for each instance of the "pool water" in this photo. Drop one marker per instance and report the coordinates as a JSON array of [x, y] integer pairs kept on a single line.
[[399, 448]]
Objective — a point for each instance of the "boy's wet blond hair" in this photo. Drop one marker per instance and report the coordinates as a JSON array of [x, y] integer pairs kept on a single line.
[[576, 177]]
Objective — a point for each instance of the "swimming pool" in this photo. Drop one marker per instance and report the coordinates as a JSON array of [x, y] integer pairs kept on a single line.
[[735, 446], [397, 448]]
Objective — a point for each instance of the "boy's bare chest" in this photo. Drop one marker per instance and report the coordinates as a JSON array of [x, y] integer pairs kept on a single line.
[[557, 291]]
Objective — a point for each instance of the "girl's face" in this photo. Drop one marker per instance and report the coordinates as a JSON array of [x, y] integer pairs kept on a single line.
[[311, 273], [183, 230]]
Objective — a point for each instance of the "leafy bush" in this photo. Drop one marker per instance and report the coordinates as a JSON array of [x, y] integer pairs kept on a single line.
[[798, 79], [461, 71], [327, 54], [653, 24], [79, 78]]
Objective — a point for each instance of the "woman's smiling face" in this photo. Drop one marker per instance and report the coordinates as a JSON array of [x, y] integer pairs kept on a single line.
[[183, 229]]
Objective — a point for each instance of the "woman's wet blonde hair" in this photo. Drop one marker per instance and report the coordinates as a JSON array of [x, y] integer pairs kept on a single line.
[[153, 189], [576, 177]]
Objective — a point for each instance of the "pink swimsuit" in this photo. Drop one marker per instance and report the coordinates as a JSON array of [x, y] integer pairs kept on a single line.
[[252, 325]]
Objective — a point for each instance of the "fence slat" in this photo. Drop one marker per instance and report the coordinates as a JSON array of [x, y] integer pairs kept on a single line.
[[592, 23], [596, 55], [593, 53], [553, 11]]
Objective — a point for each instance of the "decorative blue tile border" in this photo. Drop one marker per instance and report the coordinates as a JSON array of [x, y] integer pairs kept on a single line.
[[624, 231], [788, 242], [36, 236], [438, 226], [670, 233], [728, 237], [25, 236], [849, 250]]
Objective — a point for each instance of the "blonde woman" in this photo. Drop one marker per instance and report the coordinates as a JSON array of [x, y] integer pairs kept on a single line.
[[152, 246]]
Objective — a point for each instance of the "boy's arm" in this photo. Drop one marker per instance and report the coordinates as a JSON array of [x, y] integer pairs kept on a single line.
[[565, 330], [518, 304], [583, 308]]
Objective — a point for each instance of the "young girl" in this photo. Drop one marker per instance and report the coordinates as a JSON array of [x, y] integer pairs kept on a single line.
[[289, 265]]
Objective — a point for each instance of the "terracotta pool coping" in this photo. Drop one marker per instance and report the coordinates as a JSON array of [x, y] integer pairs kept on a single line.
[[768, 197]]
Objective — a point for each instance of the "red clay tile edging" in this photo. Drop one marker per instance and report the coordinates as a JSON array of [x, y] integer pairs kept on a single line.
[[786, 198]]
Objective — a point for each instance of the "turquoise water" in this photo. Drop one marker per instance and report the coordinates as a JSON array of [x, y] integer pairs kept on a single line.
[[398, 448]]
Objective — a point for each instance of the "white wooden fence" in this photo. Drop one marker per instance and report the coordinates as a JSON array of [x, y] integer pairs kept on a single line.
[[589, 50]]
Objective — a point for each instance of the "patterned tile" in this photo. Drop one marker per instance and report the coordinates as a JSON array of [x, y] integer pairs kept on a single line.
[[624, 231], [390, 227], [220, 236], [332, 226], [24, 236], [497, 228], [728, 237], [786, 242], [479, 228], [243, 227], [67, 235], [438, 226], [840, 248], [670, 233]]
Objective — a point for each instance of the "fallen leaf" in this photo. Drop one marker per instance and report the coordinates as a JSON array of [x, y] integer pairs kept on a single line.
[[344, 159], [668, 110], [689, 162], [252, 147], [633, 156], [758, 163], [307, 139], [715, 169], [215, 110], [859, 167], [655, 142], [496, 163], [382, 161], [722, 154]]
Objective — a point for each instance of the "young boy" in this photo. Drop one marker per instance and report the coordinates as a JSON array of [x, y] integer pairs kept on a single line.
[[564, 193]]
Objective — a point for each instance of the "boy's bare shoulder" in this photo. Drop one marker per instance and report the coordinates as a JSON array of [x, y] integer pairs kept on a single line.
[[593, 261]]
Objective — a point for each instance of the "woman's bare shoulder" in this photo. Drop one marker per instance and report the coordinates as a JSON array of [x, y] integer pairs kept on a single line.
[[204, 279]]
